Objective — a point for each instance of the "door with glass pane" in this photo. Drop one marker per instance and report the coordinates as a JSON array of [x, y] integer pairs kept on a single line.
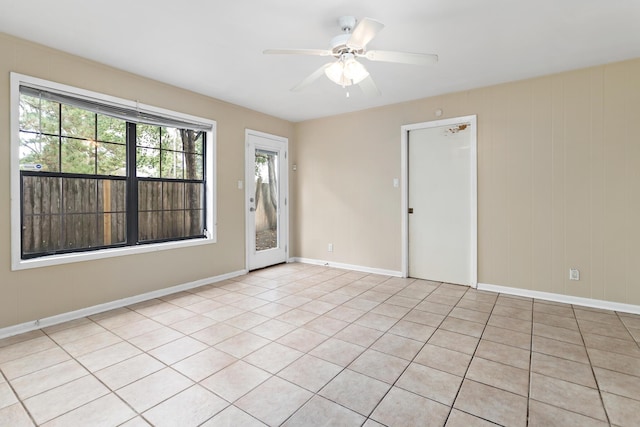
[[266, 199]]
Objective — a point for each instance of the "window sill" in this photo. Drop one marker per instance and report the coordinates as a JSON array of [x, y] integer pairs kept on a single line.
[[46, 261]]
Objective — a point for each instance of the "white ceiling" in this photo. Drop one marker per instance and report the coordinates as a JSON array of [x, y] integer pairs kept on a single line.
[[215, 47]]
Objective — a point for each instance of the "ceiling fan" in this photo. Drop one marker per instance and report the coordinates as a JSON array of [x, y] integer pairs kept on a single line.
[[346, 48]]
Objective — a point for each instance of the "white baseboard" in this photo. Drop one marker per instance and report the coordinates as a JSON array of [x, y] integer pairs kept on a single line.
[[567, 299], [348, 266], [90, 311]]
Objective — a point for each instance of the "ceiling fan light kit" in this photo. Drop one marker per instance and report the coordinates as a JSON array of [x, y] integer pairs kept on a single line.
[[346, 71], [346, 48]]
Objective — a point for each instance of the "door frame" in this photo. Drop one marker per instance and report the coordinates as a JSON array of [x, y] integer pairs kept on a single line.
[[249, 175], [473, 169]]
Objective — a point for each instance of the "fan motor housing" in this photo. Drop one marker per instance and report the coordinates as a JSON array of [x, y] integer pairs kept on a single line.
[[339, 42]]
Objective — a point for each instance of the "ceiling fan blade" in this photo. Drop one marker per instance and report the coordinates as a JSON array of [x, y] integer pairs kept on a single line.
[[363, 33], [315, 52], [401, 57], [310, 78], [369, 87]]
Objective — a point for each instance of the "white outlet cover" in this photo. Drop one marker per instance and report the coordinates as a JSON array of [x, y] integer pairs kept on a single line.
[[574, 274]]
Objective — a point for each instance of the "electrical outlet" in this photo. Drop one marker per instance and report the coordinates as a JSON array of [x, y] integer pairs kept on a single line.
[[574, 274], [330, 247]]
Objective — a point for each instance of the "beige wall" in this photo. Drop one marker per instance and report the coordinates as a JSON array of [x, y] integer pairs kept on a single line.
[[33, 294], [558, 182]]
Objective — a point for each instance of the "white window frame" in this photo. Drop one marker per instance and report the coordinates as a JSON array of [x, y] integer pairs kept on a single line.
[[17, 263]]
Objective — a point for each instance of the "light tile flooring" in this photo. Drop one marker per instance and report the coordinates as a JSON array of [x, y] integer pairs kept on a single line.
[[301, 345]]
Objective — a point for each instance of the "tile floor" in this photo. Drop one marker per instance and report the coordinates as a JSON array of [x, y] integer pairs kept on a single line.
[[301, 345]]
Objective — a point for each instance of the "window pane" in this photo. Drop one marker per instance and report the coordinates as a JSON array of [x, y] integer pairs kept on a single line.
[[193, 196], [172, 224], [111, 229], [78, 156], [112, 223], [173, 195], [149, 226], [78, 123], [170, 210], [41, 234], [192, 141], [149, 195], [80, 231], [79, 195], [41, 219], [50, 117], [199, 144], [171, 139], [172, 164], [39, 115], [62, 214], [41, 195], [29, 113], [194, 166], [111, 129], [112, 195], [112, 159], [39, 152], [148, 162], [266, 196], [194, 223], [148, 136]]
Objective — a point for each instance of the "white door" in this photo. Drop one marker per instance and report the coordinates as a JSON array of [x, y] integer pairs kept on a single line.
[[266, 199], [442, 201]]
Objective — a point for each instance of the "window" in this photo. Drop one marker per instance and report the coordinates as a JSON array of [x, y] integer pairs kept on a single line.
[[170, 167], [94, 175]]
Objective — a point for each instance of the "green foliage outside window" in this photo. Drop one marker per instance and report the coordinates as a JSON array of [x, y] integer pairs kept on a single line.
[[56, 137]]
